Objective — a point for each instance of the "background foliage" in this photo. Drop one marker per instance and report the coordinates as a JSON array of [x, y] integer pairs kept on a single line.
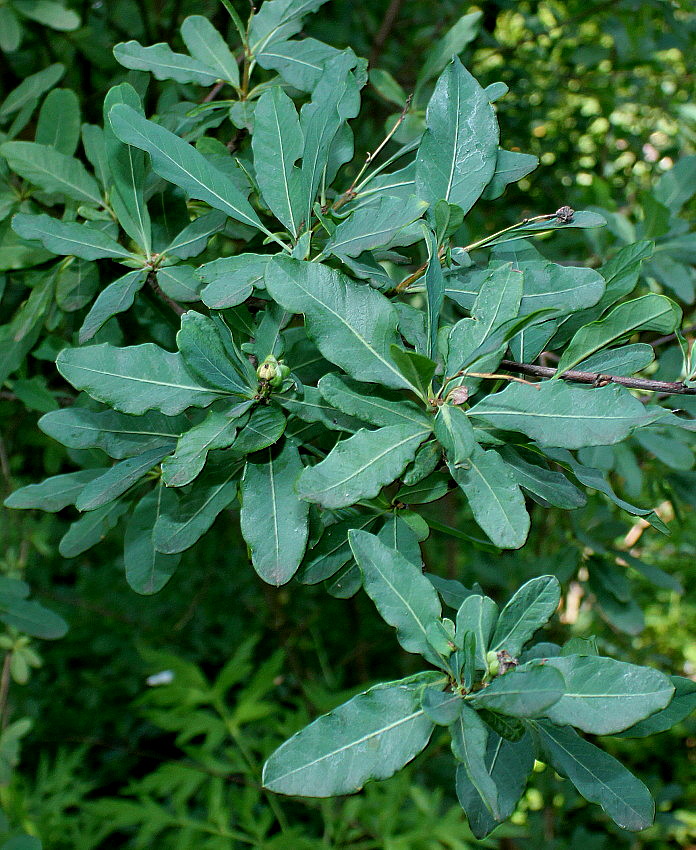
[[600, 92]]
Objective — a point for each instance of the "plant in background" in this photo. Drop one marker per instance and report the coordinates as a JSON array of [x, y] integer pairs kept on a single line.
[[345, 362]]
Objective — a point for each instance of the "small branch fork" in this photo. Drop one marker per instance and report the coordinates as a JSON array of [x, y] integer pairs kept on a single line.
[[598, 380]]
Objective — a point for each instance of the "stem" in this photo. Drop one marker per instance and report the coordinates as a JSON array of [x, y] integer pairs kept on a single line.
[[385, 29], [5, 688], [599, 380], [155, 287], [213, 93], [349, 194], [406, 282]]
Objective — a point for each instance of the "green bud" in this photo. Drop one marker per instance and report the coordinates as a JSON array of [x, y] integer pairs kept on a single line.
[[493, 663]]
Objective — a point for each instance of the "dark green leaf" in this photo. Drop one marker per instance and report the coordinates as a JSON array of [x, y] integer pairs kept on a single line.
[[147, 570], [352, 325], [161, 61], [604, 696], [403, 595], [273, 518], [118, 479], [457, 155], [370, 737], [116, 434], [519, 694], [67, 237], [530, 608], [134, 379], [598, 776], [495, 499], [358, 468], [54, 493]]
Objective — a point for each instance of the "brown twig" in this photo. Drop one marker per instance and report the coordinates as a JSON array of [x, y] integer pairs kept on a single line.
[[155, 287], [661, 340], [214, 92], [384, 30], [599, 380]]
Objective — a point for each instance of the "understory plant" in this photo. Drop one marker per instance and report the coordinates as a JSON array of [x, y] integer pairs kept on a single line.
[[256, 326]]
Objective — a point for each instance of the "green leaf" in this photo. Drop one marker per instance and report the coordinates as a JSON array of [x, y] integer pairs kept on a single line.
[[203, 350], [333, 551], [193, 239], [147, 570], [435, 295], [335, 99], [564, 289], [676, 186], [477, 614], [509, 765], [530, 608], [50, 13], [457, 155], [450, 44], [161, 61], [557, 414], [273, 519], [403, 595], [625, 360], [361, 400], [277, 20], [430, 489], [30, 89], [179, 528], [417, 369], [551, 486], [126, 168], [387, 86], [207, 46], [376, 226], [495, 499], [118, 479], [116, 298], [67, 237], [134, 379], [180, 163], [231, 280], [54, 493], [216, 431], [442, 707], [469, 740], [599, 777], [300, 63], [353, 325], [31, 618], [622, 271], [682, 704], [91, 529], [604, 696], [497, 303], [312, 407], [510, 166], [358, 468], [58, 125], [264, 428], [455, 434], [277, 144], [519, 694], [52, 171], [651, 312], [369, 737], [114, 433]]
